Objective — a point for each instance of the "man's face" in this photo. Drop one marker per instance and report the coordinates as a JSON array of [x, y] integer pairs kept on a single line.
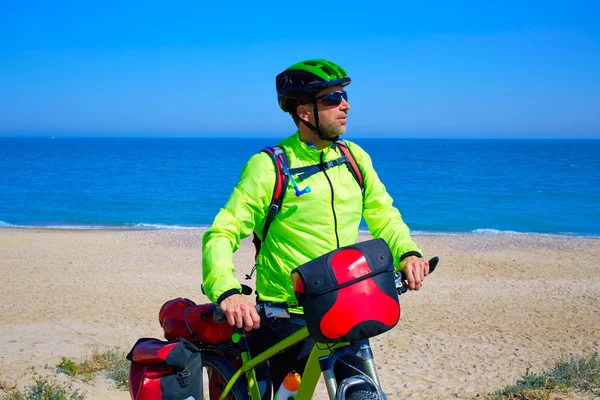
[[332, 118]]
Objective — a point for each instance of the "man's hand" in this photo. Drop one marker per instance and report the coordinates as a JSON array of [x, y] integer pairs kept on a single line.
[[416, 269], [240, 312]]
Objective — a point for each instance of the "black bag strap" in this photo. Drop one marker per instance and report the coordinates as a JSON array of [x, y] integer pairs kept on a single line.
[[187, 325], [350, 282]]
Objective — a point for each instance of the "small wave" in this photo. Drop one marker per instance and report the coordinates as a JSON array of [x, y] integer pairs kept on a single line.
[[492, 232], [72, 227], [497, 232], [162, 226], [139, 226], [81, 227]]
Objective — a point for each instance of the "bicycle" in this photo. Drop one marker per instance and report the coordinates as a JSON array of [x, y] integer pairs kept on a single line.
[[241, 383]]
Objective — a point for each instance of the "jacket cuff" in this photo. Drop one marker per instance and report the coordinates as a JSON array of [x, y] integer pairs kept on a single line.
[[227, 294], [410, 253]]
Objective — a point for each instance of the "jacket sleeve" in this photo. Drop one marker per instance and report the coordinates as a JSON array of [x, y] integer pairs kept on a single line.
[[383, 219], [244, 210]]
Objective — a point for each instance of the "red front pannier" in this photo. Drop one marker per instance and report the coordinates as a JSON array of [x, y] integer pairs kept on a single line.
[[182, 318], [349, 294], [165, 370]]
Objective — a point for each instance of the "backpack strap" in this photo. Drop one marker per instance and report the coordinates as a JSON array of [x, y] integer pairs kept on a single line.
[[351, 163], [346, 158], [281, 163], [305, 172]]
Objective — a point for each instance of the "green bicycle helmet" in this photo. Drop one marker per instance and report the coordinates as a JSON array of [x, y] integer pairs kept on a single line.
[[301, 82]]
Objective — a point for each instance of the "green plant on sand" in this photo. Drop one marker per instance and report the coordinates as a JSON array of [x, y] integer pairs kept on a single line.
[[573, 374], [112, 361], [45, 388]]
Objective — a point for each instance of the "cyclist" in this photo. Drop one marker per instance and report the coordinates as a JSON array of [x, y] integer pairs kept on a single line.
[[307, 226]]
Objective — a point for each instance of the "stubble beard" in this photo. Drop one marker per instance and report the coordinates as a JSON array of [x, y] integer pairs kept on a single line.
[[332, 128]]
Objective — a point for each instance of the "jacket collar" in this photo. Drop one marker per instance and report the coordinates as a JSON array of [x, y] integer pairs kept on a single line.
[[309, 152]]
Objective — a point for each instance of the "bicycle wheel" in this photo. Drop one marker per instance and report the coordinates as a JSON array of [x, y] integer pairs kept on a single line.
[[220, 371], [365, 395], [360, 387]]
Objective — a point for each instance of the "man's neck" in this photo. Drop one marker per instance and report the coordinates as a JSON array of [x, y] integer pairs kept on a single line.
[[309, 137]]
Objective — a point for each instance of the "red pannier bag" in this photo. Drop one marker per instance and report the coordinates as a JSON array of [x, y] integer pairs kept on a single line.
[[349, 294], [165, 370], [182, 318]]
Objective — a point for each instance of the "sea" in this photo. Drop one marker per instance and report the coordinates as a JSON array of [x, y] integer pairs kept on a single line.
[[441, 186]]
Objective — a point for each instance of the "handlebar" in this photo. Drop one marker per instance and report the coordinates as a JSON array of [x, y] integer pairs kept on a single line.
[[270, 311], [400, 277], [264, 310]]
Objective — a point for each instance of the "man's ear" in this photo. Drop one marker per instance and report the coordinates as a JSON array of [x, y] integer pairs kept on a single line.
[[304, 112]]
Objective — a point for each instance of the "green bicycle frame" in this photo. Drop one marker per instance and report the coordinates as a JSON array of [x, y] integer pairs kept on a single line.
[[310, 378], [312, 371]]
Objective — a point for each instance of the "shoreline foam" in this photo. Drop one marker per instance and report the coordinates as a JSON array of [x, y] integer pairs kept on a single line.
[[167, 227]]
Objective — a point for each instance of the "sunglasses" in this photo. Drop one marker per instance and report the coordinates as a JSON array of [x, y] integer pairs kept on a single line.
[[333, 98]]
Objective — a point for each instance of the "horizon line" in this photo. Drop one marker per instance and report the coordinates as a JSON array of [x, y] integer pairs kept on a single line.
[[351, 137]]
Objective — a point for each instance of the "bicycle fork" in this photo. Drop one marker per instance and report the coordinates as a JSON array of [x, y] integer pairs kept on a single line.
[[327, 362]]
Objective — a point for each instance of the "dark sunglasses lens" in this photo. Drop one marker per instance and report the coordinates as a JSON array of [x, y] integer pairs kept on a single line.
[[334, 99]]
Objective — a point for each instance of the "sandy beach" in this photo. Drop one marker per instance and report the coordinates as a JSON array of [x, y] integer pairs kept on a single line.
[[496, 306]]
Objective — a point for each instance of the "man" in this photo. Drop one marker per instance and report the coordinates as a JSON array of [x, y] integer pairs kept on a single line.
[[309, 225]]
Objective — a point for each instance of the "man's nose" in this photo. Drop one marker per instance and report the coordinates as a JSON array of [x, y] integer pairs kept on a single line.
[[344, 105]]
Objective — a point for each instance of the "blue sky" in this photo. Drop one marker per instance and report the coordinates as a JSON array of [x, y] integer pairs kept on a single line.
[[419, 69]]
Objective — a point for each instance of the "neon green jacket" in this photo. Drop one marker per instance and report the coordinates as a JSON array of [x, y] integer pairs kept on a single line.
[[306, 227]]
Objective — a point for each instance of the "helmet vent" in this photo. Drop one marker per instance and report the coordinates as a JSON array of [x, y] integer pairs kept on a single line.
[[324, 69]]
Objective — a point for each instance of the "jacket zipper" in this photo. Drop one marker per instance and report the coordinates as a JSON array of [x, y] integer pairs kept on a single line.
[[337, 238]]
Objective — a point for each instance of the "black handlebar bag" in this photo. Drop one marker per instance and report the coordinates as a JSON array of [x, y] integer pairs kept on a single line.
[[349, 294]]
